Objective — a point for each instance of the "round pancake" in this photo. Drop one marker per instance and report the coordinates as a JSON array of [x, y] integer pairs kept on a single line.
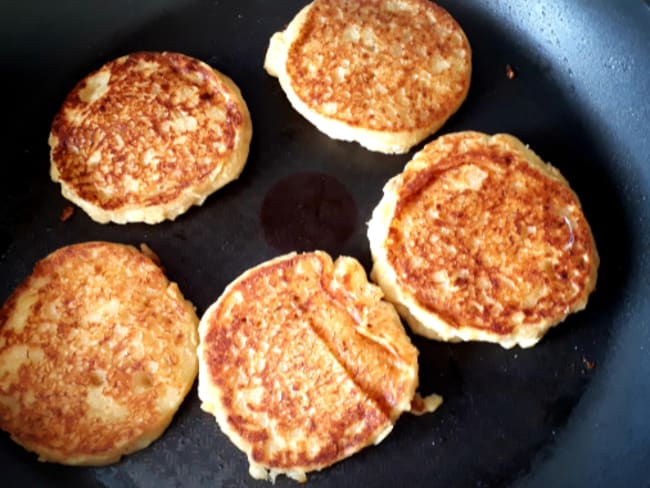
[[384, 73], [147, 136], [303, 364], [478, 239], [97, 352]]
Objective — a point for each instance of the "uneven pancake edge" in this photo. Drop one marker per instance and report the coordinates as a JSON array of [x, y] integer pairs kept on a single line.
[[390, 140], [212, 397], [112, 174], [65, 397], [422, 319]]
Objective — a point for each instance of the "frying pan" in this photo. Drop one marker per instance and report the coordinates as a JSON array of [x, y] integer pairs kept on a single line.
[[571, 411]]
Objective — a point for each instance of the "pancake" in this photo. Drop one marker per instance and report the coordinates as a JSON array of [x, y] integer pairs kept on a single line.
[[479, 239], [384, 73], [147, 136], [303, 364], [97, 352]]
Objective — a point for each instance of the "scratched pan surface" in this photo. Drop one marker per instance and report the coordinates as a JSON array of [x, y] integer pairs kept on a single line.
[[569, 412]]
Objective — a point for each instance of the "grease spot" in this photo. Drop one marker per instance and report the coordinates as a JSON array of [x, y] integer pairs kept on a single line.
[[308, 211]]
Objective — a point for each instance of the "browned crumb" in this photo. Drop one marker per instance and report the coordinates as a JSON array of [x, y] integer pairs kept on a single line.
[[510, 72], [421, 405], [67, 213], [588, 364]]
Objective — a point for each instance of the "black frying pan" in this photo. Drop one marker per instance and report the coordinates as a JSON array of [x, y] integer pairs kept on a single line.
[[570, 412]]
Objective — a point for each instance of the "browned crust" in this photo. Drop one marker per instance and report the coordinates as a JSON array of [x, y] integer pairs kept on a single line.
[[523, 233], [122, 151], [326, 357], [381, 90], [101, 319]]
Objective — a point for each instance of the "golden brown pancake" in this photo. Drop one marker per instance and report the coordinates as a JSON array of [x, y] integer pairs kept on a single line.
[[303, 364], [147, 136], [384, 73], [479, 239], [97, 352]]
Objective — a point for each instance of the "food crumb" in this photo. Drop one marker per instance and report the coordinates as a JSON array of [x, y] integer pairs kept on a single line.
[[510, 72], [421, 405], [588, 364], [67, 213]]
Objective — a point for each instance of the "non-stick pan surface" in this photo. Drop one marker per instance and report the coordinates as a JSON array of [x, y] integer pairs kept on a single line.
[[572, 411]]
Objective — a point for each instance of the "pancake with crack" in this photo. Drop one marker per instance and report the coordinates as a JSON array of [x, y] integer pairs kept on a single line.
[[303, 364], [97, 352], [384, 73], [147, 136], [479, 239]]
